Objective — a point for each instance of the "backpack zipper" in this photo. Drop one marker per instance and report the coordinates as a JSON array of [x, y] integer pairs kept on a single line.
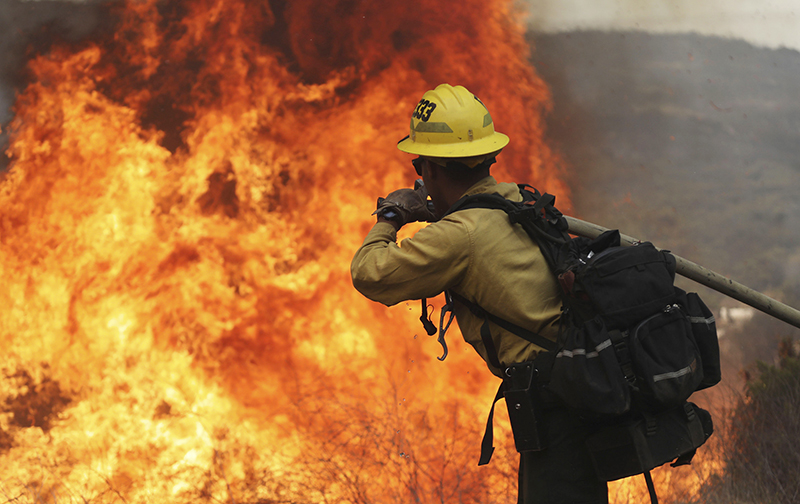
[[667, 309]]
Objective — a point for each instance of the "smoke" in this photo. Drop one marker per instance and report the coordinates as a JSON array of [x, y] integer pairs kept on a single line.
[[26, 25], [765, 24], [688, 141]]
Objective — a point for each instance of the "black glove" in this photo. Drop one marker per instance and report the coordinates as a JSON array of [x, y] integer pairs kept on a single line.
[[406, 205]]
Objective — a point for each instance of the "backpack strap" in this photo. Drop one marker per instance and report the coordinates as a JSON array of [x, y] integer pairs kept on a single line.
[[487, 443], [543, 222], [546, 226], [530, 336], [651, 488]]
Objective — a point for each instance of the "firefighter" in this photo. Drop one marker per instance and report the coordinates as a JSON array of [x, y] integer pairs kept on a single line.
[[476, 255]]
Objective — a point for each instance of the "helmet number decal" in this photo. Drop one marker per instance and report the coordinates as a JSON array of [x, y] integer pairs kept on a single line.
[[424, 110]]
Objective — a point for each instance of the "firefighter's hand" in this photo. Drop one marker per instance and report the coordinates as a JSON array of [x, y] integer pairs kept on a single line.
[[405, 205]]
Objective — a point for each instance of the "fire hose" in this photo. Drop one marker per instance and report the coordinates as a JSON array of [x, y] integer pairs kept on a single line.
[[703, 276]]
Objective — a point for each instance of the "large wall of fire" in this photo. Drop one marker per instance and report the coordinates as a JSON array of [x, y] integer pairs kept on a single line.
[[185, 190]]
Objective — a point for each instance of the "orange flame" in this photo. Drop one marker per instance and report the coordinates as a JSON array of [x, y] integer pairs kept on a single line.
[[182, 204]]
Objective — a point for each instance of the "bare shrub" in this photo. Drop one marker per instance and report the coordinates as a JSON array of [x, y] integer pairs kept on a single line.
[[761, 448]]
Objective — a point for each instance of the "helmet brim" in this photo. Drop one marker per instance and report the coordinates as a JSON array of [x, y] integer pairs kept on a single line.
[[480, 147]]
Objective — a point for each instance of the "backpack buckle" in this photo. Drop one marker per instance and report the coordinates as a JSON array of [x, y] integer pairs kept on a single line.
[[620, 342]]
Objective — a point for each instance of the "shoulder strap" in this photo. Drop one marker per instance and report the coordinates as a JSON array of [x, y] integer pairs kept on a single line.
[[535, 338], [546, 226], [490, 201], [536, 213]]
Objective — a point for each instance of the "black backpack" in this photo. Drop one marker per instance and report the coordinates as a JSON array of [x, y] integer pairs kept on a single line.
[[631, 350]]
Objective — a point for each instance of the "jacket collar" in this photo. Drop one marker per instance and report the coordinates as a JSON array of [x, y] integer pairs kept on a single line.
[[484, 185]]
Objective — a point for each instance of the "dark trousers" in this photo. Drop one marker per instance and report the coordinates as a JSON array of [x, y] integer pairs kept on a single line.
[[563, 472]]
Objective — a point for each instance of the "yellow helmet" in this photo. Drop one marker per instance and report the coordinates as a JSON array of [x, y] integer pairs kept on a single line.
[[451, 122]]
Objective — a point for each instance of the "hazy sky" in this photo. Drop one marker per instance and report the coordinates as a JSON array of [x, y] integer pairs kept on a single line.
[[767, 23]]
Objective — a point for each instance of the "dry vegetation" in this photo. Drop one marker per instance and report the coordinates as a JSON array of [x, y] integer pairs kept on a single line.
[[757, 440], [761, 438]]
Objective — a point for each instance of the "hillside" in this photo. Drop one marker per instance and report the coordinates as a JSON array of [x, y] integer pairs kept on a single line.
[[688, 141]]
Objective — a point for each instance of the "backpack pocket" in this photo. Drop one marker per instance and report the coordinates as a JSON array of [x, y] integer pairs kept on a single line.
[[642, 442], [626, 284], [704, 329], [665, 359], [586, 374]]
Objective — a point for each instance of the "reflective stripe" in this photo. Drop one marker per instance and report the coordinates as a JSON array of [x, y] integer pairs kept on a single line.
[[432, 127], [602, 346], [673, 374], [702, 320], [582, 351]]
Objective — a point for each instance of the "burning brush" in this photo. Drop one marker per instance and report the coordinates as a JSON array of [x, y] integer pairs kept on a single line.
[[177, 223]]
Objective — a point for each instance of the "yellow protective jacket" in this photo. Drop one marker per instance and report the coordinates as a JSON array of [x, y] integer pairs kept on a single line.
[[476, 253]]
